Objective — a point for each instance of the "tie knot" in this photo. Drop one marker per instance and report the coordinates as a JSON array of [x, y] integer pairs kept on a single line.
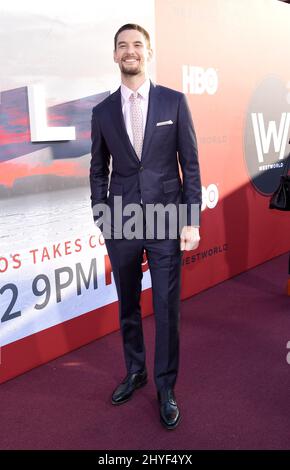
[[134, 96]]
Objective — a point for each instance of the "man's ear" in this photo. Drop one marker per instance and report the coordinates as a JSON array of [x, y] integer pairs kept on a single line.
[[150, 54], [114, 56]]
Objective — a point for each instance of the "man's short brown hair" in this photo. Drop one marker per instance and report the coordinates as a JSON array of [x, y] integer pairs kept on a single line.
[[135, 26]]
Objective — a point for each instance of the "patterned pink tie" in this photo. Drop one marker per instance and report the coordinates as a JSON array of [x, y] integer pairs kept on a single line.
[[136, 123]]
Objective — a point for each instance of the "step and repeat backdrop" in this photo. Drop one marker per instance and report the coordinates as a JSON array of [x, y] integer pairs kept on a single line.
[[57, 289]]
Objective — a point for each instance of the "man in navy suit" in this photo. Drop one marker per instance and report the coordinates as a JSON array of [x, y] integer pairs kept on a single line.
[[147, 131]]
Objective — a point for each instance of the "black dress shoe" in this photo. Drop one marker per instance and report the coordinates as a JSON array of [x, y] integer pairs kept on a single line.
[[169, 412], [125, 390]]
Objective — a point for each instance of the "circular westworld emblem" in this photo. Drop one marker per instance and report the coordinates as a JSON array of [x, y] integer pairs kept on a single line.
[[267, 133]]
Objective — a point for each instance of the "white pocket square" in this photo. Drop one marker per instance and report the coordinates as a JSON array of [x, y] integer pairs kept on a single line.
[[164, 123]]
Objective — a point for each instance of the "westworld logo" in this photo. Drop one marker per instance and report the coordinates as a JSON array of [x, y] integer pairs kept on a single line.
[[267, 133]]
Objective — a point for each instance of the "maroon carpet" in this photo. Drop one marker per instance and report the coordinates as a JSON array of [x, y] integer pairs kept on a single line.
[[233, 387]]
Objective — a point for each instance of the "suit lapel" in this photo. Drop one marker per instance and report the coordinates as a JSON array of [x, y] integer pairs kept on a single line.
[[118, 119], [152, 115]]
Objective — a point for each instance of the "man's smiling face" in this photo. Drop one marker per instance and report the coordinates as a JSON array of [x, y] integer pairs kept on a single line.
[[132, 52]]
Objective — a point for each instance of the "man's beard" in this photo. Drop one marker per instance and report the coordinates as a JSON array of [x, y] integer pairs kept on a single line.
[[130, 71]]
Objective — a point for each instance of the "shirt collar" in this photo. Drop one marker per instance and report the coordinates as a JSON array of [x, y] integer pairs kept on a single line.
[[143, 90]]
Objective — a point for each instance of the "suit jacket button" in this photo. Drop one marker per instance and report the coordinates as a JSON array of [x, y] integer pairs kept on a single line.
[[141, 168]]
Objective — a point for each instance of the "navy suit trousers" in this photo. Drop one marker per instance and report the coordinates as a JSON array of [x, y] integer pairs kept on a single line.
[[164, 260]]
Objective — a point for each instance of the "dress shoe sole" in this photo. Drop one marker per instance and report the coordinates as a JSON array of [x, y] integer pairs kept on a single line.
[[170, 426], [116, 403]]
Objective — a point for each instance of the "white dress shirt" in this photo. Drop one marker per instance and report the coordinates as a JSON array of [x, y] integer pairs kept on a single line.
[[143, 91]]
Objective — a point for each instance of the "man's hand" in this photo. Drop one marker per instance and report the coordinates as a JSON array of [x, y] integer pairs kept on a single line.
[[189, 238]]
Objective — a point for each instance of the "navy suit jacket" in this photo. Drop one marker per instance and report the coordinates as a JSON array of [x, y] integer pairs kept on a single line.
[[154, 179]]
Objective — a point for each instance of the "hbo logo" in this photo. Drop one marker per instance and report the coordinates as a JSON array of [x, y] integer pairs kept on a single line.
[[197, 80], [210, 197]]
